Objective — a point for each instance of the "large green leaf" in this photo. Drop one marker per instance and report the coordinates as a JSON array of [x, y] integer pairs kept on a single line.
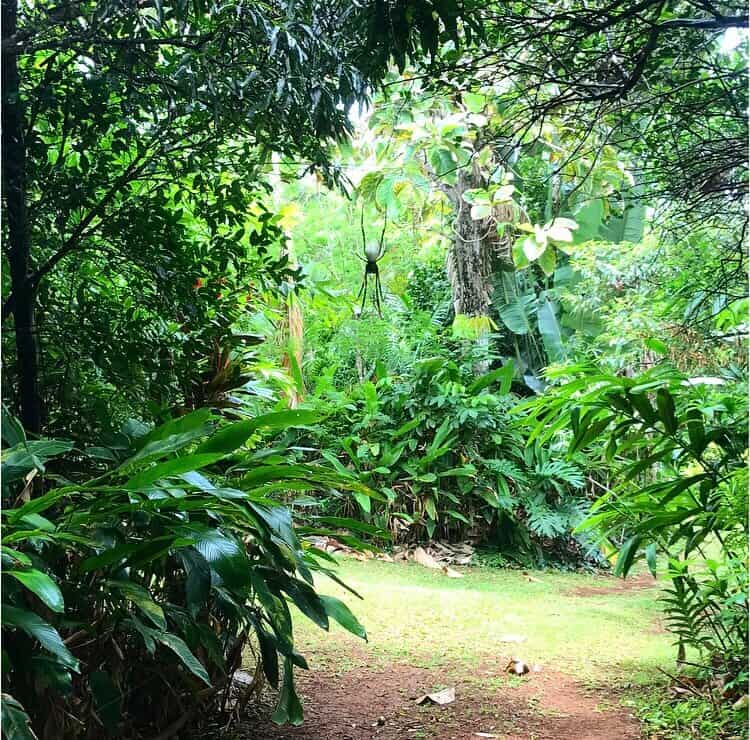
[[503, 374], [269, 655], [233, 436], [583, 321], [34, 626], [162, 447], [629, 226], [627, 555], [15, 722], [289, 708], [25, 456], [49, 673], [666, 407], [516, 314], [306, 600], [12, 431], [549, 328], [589, 219], [177, 645], [225, 556], [178, 466], [140, 596], [176, 427], [41, 585], [279, 521], [339, 611], [314, 474], [197, 580]]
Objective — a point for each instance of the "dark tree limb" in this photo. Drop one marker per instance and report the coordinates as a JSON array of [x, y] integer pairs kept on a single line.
[[19, 239]]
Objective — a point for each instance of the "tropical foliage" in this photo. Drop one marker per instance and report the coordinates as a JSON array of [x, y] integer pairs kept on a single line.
[[197, 386], [159, 572]]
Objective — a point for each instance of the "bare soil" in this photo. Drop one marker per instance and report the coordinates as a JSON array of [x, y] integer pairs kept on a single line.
[[364, 701], [610, 585], [364, 704]]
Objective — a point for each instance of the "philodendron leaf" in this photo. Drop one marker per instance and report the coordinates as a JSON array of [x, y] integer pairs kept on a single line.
[[42, 585]]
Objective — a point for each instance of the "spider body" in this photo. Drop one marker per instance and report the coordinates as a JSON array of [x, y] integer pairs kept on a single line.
[[373, 253]]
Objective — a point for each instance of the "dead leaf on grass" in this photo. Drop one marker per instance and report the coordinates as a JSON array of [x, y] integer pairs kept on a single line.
[[518, 667], [424, 558], [452, 573], [446, 696]]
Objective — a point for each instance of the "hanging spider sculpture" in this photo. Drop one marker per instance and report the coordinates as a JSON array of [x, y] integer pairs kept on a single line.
[[373, 253]]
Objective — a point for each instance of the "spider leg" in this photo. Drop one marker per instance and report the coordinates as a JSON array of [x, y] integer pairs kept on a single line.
[[378, 294], [382, 233], [364, 295]]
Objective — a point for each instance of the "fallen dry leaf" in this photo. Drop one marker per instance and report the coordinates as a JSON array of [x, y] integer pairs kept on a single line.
[[446, 696], [452, 573], [741, 703], [424, 558], [517, 666]]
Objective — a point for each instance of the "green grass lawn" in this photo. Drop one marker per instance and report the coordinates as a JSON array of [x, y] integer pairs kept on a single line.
[[422, 617]]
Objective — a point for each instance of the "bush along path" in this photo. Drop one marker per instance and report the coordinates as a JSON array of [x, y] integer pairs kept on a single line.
[[588, 644]]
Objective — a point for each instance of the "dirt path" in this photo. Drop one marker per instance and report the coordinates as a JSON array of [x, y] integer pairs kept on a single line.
[[357, 692], [363, 704]]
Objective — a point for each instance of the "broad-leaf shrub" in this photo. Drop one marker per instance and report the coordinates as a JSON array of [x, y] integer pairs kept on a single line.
[[130, 597], [677, 449], [448, 460]]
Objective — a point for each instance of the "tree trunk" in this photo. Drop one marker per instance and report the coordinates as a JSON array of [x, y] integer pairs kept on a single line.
[[19, 242], [470, 262]]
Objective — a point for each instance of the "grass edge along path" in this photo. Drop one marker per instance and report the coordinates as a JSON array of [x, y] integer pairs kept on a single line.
[[592, 638]]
